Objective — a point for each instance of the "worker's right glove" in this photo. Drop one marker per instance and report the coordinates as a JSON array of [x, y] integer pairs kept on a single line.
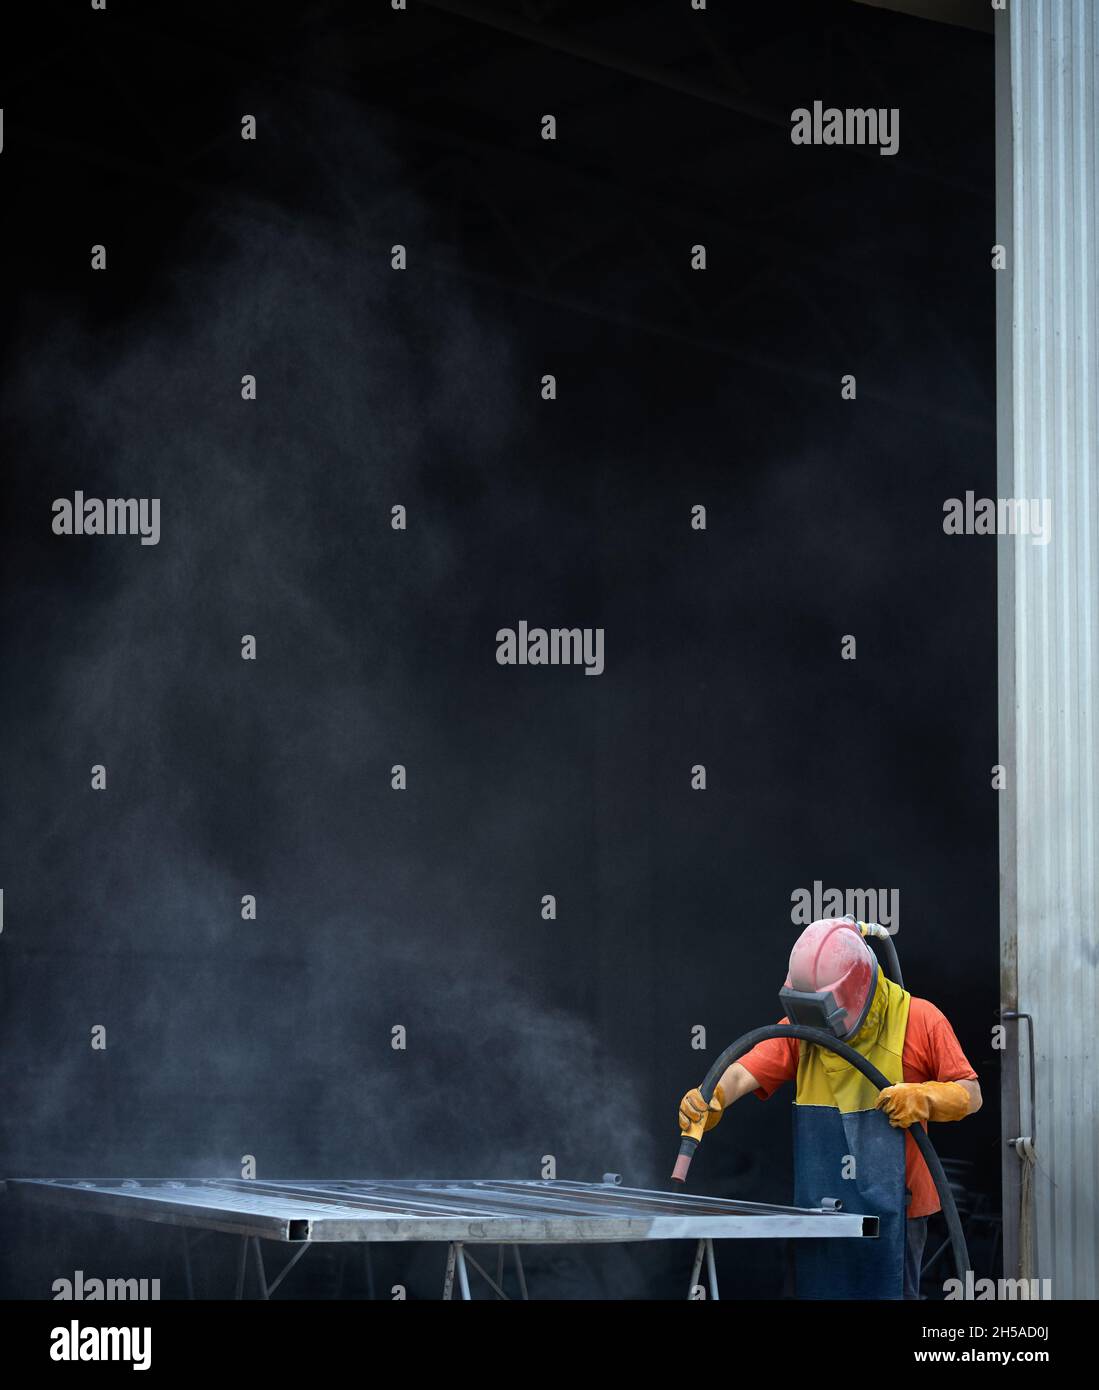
[[693, 1110]]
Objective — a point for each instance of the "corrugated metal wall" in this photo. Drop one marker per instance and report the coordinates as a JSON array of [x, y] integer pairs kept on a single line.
[[1048, 171]]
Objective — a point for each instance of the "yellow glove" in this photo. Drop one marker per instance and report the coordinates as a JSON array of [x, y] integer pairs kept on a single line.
[[915, 1101], [695, 1114]]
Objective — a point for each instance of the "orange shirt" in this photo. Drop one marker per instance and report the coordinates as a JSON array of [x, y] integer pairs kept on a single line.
[[931, 1053]]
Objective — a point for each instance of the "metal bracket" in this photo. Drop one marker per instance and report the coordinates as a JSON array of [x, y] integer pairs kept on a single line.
[[1026, 1143], [458, 1257], [705, 1247]]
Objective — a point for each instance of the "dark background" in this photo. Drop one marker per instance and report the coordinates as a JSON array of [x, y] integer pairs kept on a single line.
[[422, 908]]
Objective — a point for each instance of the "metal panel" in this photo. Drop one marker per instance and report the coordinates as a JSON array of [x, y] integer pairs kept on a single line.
[[468, 1211], [1048, 80]]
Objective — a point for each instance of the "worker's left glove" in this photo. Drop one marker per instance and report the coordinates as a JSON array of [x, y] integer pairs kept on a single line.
[[913, 1102]]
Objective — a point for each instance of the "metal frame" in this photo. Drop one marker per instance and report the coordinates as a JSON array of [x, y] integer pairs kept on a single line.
[[459, 1213], [457, 1259]]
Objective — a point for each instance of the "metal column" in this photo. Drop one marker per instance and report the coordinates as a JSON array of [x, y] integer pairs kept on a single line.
[[1047, 68]]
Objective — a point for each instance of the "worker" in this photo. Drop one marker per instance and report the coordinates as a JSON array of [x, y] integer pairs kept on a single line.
[[850, 1139]]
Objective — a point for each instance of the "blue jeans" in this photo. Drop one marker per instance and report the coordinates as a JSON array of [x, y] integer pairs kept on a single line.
[[915, 1240]]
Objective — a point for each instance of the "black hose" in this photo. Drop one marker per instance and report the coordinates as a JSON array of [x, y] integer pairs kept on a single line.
[[892, 963], [745, 1044]]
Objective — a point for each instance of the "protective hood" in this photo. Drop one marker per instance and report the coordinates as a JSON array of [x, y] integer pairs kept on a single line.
[[832, 978]]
